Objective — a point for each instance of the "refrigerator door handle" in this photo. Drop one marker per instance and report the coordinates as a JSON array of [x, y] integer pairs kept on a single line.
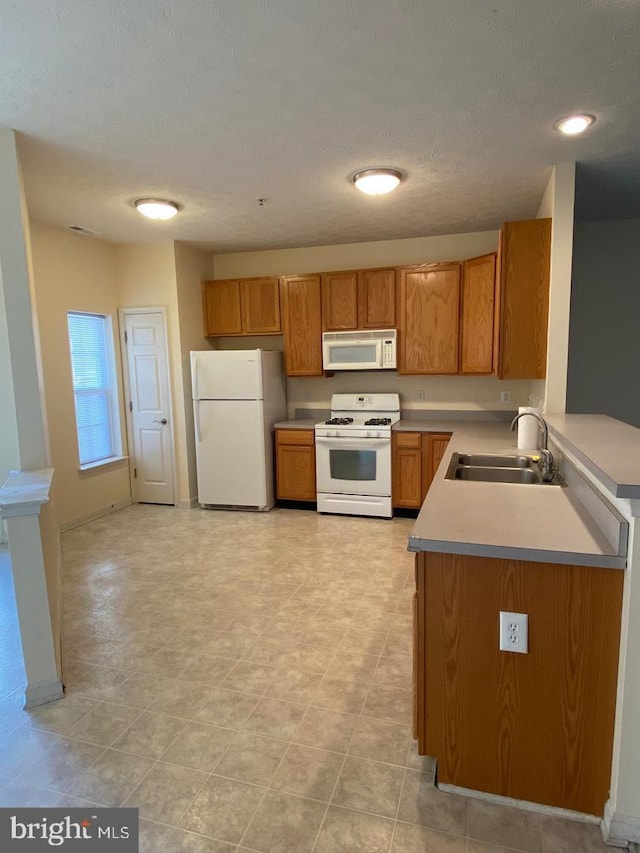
[[195, 378], [196, 410]]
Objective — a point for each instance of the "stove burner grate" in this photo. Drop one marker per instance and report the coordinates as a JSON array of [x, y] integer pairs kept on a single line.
[[339, 421]]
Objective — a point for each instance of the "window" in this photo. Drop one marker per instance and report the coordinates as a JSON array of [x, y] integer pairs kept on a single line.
[[94, 388]]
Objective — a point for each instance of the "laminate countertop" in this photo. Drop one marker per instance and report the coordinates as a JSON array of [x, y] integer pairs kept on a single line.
[[300, 423], [541, 523]]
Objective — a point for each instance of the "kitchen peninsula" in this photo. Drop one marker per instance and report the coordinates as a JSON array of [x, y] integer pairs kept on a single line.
[[539, 726]]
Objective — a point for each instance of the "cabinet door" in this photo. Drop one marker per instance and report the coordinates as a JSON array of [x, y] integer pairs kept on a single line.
[[478, 309], [406, 470], [377, 299], [434, 447], [221, 304], [302, 325], [339, 301], [295, 465], [261, 306], [525, 253], [429, 318]]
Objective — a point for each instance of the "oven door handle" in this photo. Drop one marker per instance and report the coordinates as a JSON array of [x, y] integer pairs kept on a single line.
[[321, 439]]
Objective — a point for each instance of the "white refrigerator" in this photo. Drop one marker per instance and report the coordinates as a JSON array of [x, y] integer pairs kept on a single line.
[[238, 395]]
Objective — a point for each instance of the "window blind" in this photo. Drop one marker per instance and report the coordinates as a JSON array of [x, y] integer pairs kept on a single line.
[[91, 386]]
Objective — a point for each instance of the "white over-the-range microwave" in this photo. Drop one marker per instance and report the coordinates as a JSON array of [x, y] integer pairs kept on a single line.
[[373, 349]]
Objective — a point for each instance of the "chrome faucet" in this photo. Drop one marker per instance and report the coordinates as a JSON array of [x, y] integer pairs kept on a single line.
[[546, 457]]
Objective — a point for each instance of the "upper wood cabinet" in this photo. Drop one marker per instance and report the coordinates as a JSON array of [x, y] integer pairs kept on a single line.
[[302, 325], [477, 320], [339, 301], [221, 308], [429, 307], [359, 299], [377, 299], [249, 306], [524, 254], [260, 298]]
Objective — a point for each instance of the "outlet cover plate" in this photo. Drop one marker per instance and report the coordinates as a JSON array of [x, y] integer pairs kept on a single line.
[[514, 632]]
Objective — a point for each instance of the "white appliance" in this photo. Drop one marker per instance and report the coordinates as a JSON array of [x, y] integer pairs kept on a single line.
[[238, 395], [370, 350], [353, 455]]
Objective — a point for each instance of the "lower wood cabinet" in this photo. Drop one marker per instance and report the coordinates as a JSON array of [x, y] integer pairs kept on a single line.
[[295, 465], [536, 726], [415, 459]]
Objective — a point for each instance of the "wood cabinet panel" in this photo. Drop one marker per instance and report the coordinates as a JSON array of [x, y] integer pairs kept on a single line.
[[260, 298], [429, 318], [415, 705], [302, 325], [221, 307], [438, 443], [295, 465], [340, 301], [407, 439], [477, 315], [415, 459], [536, 727], [377, 299], [525, 254], [241, 307], [406, 469], [296, 436]]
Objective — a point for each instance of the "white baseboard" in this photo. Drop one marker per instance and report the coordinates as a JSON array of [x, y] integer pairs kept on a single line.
[[525, 805], [619, 829], [99, 513], [43, 692], [188, 503]]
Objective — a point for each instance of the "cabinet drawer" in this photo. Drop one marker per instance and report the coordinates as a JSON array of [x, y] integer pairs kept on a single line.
[[408, 439], [295, 436]]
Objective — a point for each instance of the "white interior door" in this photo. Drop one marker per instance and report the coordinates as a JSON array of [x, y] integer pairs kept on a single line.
[[149, 406]]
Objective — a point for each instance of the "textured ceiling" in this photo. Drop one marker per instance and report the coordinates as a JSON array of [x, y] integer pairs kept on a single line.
[[216, 102]]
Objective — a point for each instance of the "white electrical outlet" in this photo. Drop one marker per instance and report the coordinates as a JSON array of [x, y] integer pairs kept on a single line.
[[514, 632], [421, 396], [505, 396]]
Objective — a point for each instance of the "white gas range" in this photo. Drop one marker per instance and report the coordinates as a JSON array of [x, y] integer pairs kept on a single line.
[[353, 455]]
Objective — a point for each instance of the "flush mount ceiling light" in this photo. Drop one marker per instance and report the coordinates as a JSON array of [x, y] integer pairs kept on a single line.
[[377, 181], [156, 208], [571, 125]]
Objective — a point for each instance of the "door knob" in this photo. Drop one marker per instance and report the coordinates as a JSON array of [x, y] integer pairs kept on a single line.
[[163, 422]]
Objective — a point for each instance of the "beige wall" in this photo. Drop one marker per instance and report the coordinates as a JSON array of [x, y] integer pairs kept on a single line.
[[9, 457], [74, 273], [558, 202], [147, 278], [413, 250], [192, 266], [440, 392]]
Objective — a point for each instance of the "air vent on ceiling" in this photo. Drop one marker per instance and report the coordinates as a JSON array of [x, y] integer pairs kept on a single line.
[[78, 229]]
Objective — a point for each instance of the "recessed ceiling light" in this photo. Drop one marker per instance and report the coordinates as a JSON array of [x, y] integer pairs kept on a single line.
[[156, 208], [571, 125], [377, 181]]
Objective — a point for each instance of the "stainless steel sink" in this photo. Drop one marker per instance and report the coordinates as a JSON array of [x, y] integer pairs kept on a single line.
[[493, 468], [493, 460], [496, 475]]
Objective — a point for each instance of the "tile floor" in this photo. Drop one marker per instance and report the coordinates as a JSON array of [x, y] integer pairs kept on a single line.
[[244, 680]]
